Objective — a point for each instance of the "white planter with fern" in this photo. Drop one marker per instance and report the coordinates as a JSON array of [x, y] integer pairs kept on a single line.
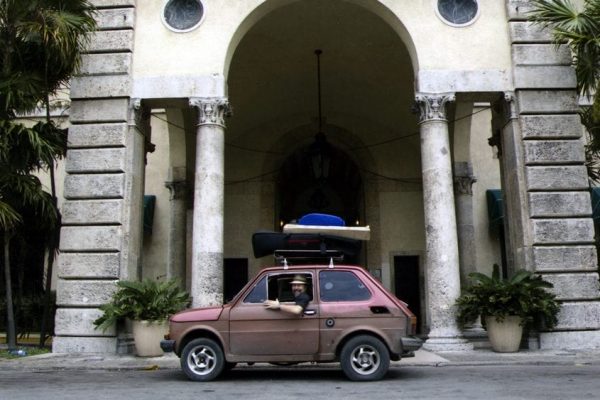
[[148, 304], [519, 301], [505, 336], [147, 336]]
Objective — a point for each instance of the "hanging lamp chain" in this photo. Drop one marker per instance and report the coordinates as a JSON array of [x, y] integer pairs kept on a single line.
[[318, 53]]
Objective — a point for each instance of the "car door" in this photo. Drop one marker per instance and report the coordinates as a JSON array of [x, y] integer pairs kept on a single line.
[[257, 331]]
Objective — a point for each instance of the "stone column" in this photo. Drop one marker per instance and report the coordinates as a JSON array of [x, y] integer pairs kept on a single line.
[[441, 259], [209, 192], [177, 186], [463, 183]]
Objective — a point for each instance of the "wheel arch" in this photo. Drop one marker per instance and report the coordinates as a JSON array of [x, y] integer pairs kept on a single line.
[[196, 334], [361, 332]]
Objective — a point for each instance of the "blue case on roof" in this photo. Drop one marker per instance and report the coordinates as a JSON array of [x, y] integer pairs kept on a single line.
[[321, 219]]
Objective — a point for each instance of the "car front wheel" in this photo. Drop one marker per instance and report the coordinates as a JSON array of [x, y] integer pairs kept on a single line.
[[365, 358], [202, 360]]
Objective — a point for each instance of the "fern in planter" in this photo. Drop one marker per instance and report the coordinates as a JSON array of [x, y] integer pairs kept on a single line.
[[143, 300], [523, 295]]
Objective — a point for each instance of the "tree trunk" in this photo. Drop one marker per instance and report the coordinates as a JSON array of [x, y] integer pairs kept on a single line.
[[11, 330], [52, 248]]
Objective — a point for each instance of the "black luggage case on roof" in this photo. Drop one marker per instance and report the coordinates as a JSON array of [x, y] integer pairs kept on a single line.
[[265, 243]]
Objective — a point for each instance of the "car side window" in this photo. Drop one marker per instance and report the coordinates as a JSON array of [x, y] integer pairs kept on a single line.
[[342, 286], [258, 294], [280, 286]]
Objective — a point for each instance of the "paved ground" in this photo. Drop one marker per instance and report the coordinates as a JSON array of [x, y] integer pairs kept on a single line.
[[55, 361]]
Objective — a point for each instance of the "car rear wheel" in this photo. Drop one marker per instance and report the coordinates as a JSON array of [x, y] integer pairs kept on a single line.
[[202, 360], [365, 358]]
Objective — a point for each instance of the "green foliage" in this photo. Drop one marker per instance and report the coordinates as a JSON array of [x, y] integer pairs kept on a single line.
[[41, 43], [524, 295], [24, 151], [28, 312], [578, 27], [143, 300]]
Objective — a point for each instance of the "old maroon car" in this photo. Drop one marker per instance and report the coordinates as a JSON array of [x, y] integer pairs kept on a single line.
[[351, 318]]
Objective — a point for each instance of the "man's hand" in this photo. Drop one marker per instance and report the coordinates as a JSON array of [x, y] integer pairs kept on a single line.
[[272, 304]]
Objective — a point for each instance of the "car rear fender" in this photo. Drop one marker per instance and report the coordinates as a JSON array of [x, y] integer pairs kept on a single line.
[[370, 331]]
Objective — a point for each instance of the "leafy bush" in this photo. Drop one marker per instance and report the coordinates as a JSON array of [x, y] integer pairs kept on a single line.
[[29, 310], [524, 295], [143, 300]]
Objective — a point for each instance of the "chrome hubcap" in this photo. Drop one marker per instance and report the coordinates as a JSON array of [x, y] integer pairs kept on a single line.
[[202, 360], [365, 360]]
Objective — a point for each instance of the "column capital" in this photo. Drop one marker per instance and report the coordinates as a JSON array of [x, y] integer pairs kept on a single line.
[[432, 106], [464, 184], [177, 189], [463, 178], [211, 110]]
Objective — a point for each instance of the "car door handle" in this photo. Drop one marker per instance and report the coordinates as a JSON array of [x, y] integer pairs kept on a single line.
[[309, 312]]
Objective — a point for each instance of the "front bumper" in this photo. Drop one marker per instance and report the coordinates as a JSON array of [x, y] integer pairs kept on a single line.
[[410, 344], [167, 346]]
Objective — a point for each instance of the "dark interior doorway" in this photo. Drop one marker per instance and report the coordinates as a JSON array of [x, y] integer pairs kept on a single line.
[[336, 190], [235, 276], [407, 284]]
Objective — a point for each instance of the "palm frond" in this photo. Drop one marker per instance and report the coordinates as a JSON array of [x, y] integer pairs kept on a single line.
[[580, 29], [8, 217]]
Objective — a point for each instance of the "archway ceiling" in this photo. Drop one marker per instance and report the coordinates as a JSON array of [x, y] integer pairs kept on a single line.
[[366, 73]]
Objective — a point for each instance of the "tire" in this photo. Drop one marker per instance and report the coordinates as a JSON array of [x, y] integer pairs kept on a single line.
[[229, 366], [202, 360], [364, 358]]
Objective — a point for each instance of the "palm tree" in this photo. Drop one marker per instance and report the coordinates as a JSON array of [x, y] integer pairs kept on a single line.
[[22, 152], [579, 28], [41, 43]]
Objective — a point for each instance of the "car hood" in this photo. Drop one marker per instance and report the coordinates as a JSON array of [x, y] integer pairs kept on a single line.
[[198, 314]]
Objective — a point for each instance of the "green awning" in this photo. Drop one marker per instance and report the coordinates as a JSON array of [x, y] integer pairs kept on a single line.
[[149, 202], [495, 207], [596, 204]]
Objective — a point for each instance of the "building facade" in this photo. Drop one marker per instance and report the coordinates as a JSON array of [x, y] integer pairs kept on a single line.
[[210, 109]]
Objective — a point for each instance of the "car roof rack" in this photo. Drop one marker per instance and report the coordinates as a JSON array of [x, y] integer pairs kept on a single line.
[[303, 257]]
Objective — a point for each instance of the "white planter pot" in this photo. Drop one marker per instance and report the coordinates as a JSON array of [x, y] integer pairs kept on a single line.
[[147, 336], [505, 336]]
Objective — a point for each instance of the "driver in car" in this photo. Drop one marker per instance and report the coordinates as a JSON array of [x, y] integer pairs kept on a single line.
[[301, 298]]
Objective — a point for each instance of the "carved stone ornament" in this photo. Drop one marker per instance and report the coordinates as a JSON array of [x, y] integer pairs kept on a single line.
[[211, 111], [177, 189], [432, 107], [510, 106], [464, 184], [139, 115]]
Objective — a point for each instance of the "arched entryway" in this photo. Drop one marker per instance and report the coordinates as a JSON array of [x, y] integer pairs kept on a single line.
[[367, 93]]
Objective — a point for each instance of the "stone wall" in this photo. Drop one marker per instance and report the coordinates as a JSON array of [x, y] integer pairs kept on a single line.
[[98, 237], [559, 235]]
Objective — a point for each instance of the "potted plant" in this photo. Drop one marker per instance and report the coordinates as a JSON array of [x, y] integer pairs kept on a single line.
[[148, 304], [507, 305]]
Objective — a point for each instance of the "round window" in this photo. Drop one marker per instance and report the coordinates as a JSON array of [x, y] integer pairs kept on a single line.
[[183, 15], [458, 12]]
